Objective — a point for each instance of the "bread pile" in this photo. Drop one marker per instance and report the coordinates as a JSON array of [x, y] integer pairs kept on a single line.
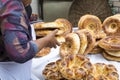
[[93, 36], [111, 46], [78, 42], [107, 34], [79, 67], [94, 24], [85, 39], [43, 28], [90, 37], [111, 43]]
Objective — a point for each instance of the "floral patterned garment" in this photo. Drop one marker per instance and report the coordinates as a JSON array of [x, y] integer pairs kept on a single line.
[[15, 33]]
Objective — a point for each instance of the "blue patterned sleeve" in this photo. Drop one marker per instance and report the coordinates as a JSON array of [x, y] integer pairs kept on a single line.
[[16, 31]]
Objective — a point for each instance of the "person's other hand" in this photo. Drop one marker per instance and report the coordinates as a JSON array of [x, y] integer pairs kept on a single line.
[[51, 40]]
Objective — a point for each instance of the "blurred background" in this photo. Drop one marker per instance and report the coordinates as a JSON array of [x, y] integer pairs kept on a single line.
[[49, 10]]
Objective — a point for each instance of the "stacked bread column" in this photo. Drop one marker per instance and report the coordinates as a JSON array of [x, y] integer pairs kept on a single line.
[[43, 28], [111, 44], [85, 39], [93, 24]]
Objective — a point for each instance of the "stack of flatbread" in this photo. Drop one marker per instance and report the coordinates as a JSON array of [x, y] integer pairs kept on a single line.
[[43, 28]]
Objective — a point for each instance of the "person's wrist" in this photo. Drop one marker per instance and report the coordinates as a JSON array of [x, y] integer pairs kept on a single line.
[[45, 40]]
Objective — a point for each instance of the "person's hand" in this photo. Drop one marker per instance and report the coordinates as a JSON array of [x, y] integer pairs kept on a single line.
[[51, 40], [47, 41]]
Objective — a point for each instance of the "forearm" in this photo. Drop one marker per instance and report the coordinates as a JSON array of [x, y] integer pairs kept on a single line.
[[41, 42]]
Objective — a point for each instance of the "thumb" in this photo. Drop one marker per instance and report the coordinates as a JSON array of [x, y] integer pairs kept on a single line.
[[55, 31]]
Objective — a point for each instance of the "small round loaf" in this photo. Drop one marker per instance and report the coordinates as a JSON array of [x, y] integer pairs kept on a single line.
[[90, 22], [111, 25]]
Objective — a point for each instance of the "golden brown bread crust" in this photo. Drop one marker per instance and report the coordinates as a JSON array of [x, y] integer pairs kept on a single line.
[[75, 67], [60, 39], [93, 24], [63, 25], [42, 33], [47, 25], [113, 53], [111, 25], [90, 22], [37, 25], [101, 35], [110, 57], [78, 42], [46, 28], [97, 49], [83, 41], [110, 43], [103, 71], [43, 52], [67, 25], [90, 40], [51, 71], [71, 45], [79, 67]]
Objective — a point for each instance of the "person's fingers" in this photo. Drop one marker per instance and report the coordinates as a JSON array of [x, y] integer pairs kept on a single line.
[[57, 43], [50, 45], [55, 40], [54, 32], [54, 46], [53, 43]]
